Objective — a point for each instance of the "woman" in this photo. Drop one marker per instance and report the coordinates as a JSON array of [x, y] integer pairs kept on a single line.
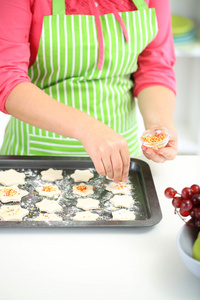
[[69, 74]]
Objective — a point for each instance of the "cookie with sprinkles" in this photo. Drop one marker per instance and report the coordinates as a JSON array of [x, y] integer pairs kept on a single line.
[[83, 189], [48, 190], [118, 188], [11, 177], [51, 175], [11, 193], [12, 213]]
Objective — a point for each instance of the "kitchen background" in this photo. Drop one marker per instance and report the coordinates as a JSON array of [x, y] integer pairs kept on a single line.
[[187, 69]]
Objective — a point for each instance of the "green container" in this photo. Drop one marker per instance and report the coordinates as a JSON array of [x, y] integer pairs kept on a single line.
[[181, 25]]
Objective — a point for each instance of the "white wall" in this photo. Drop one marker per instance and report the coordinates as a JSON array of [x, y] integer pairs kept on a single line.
[[187, 70]]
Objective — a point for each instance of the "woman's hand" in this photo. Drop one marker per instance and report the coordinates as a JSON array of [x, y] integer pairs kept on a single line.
[[169, 152], [107, 149], [157, 104]]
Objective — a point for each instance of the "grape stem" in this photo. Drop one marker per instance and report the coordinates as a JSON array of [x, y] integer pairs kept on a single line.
[[178, 213], [184, 220]]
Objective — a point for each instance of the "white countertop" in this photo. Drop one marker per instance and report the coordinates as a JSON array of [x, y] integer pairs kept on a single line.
[[106, 263]]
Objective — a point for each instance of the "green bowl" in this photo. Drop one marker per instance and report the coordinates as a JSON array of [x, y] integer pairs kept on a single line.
[[181, 25]]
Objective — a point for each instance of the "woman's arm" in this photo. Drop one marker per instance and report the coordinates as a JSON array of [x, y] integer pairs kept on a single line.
[[23, 100], [155, 63], [15, 24], [157, 105], [155, 82], [108, 149]]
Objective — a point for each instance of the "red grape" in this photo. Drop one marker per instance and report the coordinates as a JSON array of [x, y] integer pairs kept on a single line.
[[176, 202], [184, 213], [192, 212], [197, 222], [187, 193], [197, 213], [195, 188], [186, 205], [170, 192], [196, 199]]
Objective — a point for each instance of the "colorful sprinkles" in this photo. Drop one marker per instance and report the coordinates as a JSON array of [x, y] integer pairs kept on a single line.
[[154, 138], [48, 188], [9, 192], [66, 198], [81, 188]]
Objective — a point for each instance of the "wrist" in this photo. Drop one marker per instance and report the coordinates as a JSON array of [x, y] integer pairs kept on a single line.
[[159, 123]]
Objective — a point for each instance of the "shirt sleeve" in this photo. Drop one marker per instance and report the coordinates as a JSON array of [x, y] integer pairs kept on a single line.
[[15, 23], [155, 63]]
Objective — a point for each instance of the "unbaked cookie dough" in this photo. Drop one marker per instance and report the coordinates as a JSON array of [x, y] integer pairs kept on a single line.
[[12, 213], [82, 175], [11, 177], [118, 188], [83, 189], [123, 215], [47, 217], [88, 203], [11, 193], [48, 190], [85, 216], [122, 201], [48, 206], [51, 175]]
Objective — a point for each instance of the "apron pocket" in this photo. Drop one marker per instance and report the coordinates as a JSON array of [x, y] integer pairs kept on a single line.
[[40, 145]]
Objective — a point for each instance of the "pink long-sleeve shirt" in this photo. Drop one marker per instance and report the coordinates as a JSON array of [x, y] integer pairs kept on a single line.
[[20, 30]]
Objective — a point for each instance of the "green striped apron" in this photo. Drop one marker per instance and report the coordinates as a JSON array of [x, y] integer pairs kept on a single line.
[[66, 69]]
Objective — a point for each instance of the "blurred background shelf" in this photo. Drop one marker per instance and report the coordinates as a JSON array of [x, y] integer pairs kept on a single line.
[[191, 49], [186, 142], [187, 69]]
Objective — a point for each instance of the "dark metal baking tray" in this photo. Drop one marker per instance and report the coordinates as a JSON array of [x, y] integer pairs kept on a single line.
[[146, 208]]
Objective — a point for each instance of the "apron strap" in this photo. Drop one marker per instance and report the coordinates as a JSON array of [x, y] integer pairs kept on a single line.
[[58, 7], [140, 4]]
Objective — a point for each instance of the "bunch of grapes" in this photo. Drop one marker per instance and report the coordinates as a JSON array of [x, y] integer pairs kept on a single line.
[[187, 204]]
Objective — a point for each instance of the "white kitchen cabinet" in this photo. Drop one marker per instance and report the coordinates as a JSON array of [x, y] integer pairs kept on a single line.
[[187, 69]]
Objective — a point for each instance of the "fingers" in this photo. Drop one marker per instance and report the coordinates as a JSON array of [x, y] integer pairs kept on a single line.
[[168, 153], [115, 164], [120, 160], [117, 167], [125, 156], [151, 154], [160, 155], [108, 166], [99, 166], [108, 151]]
